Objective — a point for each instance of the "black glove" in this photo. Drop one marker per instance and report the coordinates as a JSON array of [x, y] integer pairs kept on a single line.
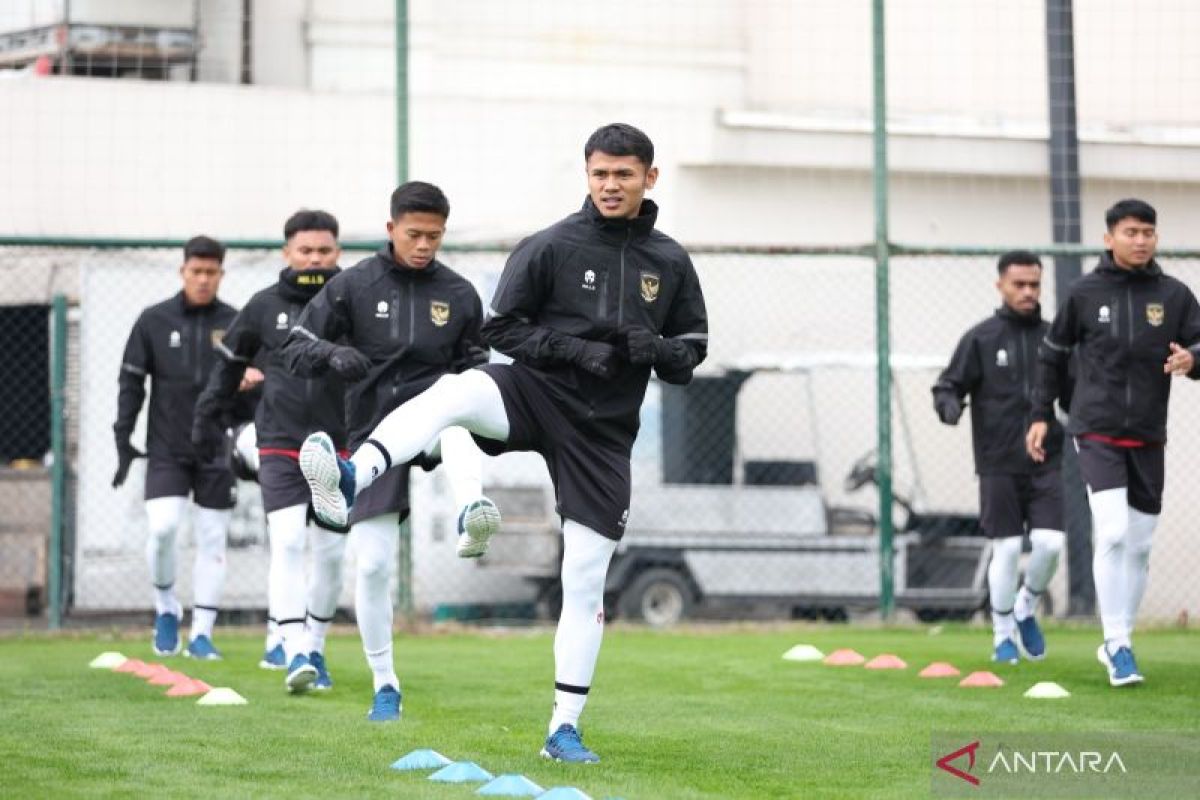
[[476, 356], [349, 363], [208, 438], [948, 407], [126, 453], [598, 358], [641, 345]]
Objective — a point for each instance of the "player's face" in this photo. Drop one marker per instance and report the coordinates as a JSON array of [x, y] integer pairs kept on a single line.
[[416, 237], [201, 279], [311, 250], [617, 184], [1021, 287], [1132, 243]]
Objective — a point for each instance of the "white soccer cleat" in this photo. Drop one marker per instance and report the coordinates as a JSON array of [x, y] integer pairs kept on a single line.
[[330, 479], [477, 523]]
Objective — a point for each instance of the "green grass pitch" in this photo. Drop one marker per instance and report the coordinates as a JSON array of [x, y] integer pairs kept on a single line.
[[708, 712]]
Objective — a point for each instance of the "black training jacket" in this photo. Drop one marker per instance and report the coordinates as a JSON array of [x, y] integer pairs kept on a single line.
[[1120, 324], [414, 325], [589, 277], [292, 407], [176, 345], [995, 364]]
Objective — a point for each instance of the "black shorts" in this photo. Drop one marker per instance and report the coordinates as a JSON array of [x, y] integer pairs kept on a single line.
[[283, 485], [1140, 469], [211, 485], [388, 494], [1012, 505], [590, 474]]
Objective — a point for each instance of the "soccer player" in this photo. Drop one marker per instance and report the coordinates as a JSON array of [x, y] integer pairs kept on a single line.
[[390, 326], [585, 308], [1131, 328], [995, 364], [291, 408], [174, 343]]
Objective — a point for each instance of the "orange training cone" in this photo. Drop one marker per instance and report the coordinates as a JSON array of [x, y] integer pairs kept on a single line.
[[940, 669], [886, 661], [189, 688], [983, 678], [168, 678], [131, 665], [844, 658]]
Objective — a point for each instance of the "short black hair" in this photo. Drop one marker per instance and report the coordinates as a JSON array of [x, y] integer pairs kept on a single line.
[[310, 220], [1130, 207], [419, 196], [620, 139], [204, 247], [1023, 257]]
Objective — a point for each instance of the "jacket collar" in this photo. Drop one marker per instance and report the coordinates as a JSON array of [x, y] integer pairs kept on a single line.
[[1029, 320], [189, 309], [1109, 267], [639, 226], [387, 256], [301, 285]]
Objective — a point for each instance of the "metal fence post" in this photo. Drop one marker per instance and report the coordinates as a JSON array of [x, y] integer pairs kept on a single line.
[[58, 449]]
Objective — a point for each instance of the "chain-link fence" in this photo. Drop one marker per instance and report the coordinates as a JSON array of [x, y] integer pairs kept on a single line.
[[753, 486]]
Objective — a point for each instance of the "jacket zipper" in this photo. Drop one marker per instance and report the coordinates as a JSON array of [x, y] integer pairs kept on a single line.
[[621, 296], [602, 298], [196, 331], [1025, 363], [1129, 335]]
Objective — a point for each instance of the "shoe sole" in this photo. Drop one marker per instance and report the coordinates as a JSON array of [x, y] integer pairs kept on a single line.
[[318, 463], [389, 719], [1102, 657], [480, 524], [213, 657], [270, 666], [301, 680], [547, 755], [166, 653]]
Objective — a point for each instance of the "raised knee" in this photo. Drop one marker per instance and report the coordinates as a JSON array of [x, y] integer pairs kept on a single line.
[[1048, 541]]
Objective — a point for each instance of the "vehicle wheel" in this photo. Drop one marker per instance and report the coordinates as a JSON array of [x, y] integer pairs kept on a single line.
[[931, 614], [659, 597]]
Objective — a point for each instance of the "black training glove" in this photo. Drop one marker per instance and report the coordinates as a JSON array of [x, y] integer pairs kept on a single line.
[[598, 358], [208, 438], [642, 346], [349, 363], [126, 453], [476, 356], [948, 407]]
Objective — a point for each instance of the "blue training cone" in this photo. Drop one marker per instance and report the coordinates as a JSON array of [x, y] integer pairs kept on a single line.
[[511, 786], [421, 759], [564, 793], [461, 772]]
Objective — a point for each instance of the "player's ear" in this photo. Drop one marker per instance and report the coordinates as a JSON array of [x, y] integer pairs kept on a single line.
[[651, 177]]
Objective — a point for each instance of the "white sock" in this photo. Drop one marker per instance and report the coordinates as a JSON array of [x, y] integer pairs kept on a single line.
[[273, 636], [586, 555], [324, 584], [163, 515], [1110, 528], [463, 461], [1137, 562], [375, 543], [210, 526], [288, 528], [470, 399], [1043, 561], [1002, 585]]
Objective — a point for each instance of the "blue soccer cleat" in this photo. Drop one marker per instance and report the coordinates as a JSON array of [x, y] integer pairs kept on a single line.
[[1122, 669], [323, 682], [274, 658], [477, 522], [1006, 653], [386, 705], [330, 479], [1029, 633], [166, 635], [565, 745], [202, 648], [301, 675]]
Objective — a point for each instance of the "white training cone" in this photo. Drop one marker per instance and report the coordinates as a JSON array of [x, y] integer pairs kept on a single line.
[[222, 696], [1047, 690], [803, 652], [109, 660]]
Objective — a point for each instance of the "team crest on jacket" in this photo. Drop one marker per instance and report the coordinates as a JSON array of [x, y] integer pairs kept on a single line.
[[650, 285], [1155, 314], [439, 312]]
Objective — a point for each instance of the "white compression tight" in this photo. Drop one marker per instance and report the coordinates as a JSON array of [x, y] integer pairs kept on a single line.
[[375, 541], [209, 527], [586, 555], [470, 400], [164, 515], [324, 583], [289, 530], [1002, 585], [1121, 563]]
